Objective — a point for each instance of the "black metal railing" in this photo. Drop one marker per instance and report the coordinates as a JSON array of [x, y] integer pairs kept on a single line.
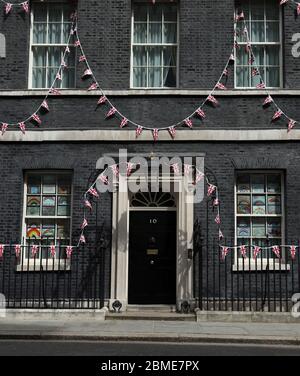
[[235, 283], [45, 280]]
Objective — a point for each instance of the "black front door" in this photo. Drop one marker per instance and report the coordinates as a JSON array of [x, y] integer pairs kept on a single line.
[[152, 258]]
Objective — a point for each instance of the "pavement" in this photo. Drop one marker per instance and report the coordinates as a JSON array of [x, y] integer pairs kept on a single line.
[[151, 331]]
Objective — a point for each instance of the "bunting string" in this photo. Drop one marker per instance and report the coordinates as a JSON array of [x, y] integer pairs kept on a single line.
[[8, 7]]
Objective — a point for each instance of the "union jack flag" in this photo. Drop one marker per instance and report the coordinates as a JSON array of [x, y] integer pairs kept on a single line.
[[54, 91], [82, 58], [254, 72], [243, 250], [291, 124], [18, 248], [248, 47], [221, 236], [69, 251], [103, 179], [52, 251], [94, 86], [216, 202], [188, 122], [87, 73], [34, 250], [211, 189], [220, 86], [4, 128], [224, 252], [36, 118], [256, 251], [58, 76], [63, 64], [293, 250], [138, 131], [111, 112], [82, 239], [268, 101], [22, 127], [45, 105], [236, 45], [155, 134], [212, 100], [124, 122], [8, 8], [68, 49], [225, 72], [200, 113], [199, 177], [129, 168], [277, 115], [175, 168], [84, 224], [73, 16], [262, 85], [102, 100], [240, 16], [25, 6], [172, 132], [298, 9], [231, 58], [1, 250], [276, 250], [283, 2], [77, 43], [115, 170], [251, 60], [187, 169], [93, 192], [87, 204], [218, 219]]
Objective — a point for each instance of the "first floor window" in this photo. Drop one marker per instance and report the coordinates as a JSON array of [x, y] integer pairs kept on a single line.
[[154, 45], [262, 18], [259, 209], [47, 210], [51, 25]]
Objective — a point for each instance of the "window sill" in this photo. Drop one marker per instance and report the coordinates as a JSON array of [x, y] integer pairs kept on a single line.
[[149, 92], [259, 266], [49, 267]]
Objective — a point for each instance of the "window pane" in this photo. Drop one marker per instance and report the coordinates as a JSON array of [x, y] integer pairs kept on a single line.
[[244, 204], [155, 33], [274, 204], [139, 77], [39, 78], [272, 32], [155, 59], [140, 33], [257, 32], [242, 77], [40, 13], [255, 80], [170, 56], [272, 55], [63, 229], [257, 10], [48, 230], [155, 13], [33, 230], [140, 13], [272, 10], [259, 53], [40, 33], [54, 33], [243, 229], [258, 227], [49, 184], [170, 13], [258, 183], [243, 183], [34, 185], [68, 78], [170, 33], [55, 13], [273, 77], [169, 77], [54, 56], [66, 32], [154, 77], [274, 227], [242, 57], [39, 56], [274, 183], [259, 204], [139, 56]]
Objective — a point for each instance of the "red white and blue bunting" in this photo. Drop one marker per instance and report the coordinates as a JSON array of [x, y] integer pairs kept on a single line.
[[8, 7]]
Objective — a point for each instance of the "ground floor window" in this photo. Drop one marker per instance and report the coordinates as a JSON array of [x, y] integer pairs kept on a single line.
[[259, 209], [47, 211]]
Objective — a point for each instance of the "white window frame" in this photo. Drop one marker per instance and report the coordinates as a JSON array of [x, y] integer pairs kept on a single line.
[[56, 263], [62, 45], [280, 44], [153, 45], [249, 264]]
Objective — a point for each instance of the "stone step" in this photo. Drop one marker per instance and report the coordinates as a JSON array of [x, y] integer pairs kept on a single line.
[[151, 315]]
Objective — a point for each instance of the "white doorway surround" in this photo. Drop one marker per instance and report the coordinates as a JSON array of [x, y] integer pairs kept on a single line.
[[183, 193]]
